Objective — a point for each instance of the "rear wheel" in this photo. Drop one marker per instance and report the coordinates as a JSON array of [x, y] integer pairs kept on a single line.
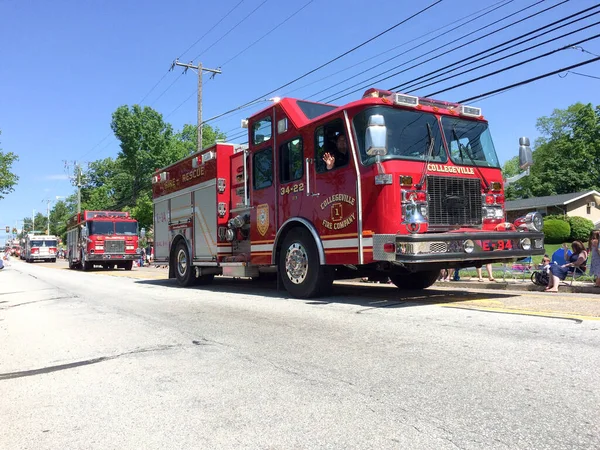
[[417, 280], [184, 271], [302, 274], [128, 265]]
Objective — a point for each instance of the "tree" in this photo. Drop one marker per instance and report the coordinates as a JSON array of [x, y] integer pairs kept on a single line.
[[59, 215], [567, 155], [145, 144], [7, 178]]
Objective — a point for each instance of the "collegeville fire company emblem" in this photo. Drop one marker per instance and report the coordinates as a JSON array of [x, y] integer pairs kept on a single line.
[[262, 218]]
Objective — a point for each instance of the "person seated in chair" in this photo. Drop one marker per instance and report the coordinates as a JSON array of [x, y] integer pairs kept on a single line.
[[577, 261]]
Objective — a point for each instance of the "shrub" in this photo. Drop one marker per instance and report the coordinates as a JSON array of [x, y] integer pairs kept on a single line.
[[580, 228], [556, 231]]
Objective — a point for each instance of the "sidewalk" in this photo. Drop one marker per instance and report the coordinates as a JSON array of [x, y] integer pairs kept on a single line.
[[580, 287]]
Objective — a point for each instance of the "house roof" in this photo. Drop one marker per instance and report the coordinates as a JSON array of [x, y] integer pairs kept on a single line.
[[550, 200]]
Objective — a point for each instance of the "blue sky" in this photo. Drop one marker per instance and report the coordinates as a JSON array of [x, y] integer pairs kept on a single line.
[[65, 66]]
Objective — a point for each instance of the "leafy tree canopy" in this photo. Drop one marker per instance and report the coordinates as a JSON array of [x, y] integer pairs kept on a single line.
[[8, 179], [566, 157]]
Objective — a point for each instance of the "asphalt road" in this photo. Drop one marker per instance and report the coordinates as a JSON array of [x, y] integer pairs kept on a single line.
[[108, 360]]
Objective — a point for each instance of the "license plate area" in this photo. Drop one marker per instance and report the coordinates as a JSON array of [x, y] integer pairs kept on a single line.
[[496, 245]]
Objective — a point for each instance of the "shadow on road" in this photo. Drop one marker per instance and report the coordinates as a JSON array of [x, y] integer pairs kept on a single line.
[[367, 295]]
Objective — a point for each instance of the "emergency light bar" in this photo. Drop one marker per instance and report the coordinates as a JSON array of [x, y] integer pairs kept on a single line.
[[159, 177], [406, 100], [470, 111]]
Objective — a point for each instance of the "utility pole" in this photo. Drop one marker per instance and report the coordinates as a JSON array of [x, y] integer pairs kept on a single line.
[[76, 180], [201, 71], [48, 217]]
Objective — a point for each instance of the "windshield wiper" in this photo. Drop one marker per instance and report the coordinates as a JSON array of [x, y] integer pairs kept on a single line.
[[467, 151], [427, 158]]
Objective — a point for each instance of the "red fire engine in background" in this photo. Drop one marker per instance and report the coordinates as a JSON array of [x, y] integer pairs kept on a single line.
[[416, 188], [105, 238]]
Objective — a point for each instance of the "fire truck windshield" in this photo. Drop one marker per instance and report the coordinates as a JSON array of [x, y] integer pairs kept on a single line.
[[470, 142], [107, 228], [43, 243], [408, 136], [126, 228]]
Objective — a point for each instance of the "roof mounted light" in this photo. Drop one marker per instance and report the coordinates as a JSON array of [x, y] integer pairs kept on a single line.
[[406, 100], [470, 111]]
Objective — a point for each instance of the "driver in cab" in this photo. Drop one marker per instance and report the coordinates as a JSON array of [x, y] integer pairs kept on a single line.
[[338, 157]]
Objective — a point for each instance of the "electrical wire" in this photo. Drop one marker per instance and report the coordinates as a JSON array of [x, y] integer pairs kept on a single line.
[[230, 30], [329, 99], [362, 44], [417, 81], [267, 33], [434, 38], [455, 23], [507, 56], [212, 28], [530, 80], [504, 69], [580, 74]]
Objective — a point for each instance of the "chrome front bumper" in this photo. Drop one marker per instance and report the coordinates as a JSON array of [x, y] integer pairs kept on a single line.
[[449, 247]]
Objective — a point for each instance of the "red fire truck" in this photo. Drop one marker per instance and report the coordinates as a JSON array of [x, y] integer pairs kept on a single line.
[[416, 188], [105, 238]]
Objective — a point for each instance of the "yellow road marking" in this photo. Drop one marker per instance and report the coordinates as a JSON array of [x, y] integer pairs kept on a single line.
[[523, 312]]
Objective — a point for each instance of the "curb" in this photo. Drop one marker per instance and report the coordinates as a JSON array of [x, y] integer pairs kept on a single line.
[[517, 286]]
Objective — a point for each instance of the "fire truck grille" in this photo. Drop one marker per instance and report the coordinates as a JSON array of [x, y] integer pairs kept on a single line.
[[454, 201], [114, 246]]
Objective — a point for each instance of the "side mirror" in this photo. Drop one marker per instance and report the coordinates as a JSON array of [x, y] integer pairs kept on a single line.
[[376, 136], [525, 154]]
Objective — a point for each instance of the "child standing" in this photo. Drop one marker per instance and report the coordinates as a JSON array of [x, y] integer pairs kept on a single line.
[[595, 253]]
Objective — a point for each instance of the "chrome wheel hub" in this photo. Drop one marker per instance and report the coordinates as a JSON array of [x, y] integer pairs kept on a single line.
[[181, 263], [296, 263]]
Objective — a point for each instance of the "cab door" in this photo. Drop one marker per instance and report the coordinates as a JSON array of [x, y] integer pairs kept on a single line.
[[291, 176], [334, 195], [263, 214]]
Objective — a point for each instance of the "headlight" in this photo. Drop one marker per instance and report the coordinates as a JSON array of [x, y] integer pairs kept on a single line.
[[536, 220], [525, 243], [468, 246]]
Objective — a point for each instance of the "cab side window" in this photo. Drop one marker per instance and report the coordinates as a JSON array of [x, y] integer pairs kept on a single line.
[[262, 131], [290, 161], [262, 169], [331, 140]]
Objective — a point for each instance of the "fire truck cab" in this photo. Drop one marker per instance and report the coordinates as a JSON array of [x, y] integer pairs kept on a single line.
[[105, 238], [390, 185], [40, 248]]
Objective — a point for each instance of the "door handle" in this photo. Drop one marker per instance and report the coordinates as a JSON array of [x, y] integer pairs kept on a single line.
[[309, 161]]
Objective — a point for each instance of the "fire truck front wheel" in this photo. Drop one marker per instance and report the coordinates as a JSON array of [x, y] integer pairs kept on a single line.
[[184, 271], [302, 274], [412, 281]]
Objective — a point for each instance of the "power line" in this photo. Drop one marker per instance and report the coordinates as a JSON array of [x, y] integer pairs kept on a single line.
[[407, 85], [230, 30], [434, 38], [268, 32], [504, 57], [530, 80], [385, 52], [333, 59], [580, 74], [444, 53], [504, 69], [584, 50], [212, 28]]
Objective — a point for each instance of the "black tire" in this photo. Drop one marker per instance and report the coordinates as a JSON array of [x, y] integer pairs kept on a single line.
[[128, 265], [302, 274], [53, 260], [417, 280], [184, 271], [203, 280]]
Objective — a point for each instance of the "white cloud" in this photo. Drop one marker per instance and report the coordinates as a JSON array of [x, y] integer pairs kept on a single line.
[[61, 176]]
